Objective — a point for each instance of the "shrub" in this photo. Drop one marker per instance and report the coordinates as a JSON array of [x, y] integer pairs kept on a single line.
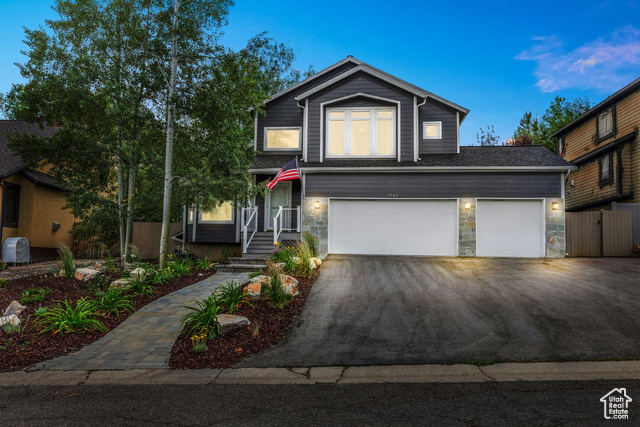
[[272, 269], [67, 318], [304, 252], [311, 241], [33, 295], [231, 297], [178, 268], [40, 310], [288, 256], [158, 276], [3, 283], [98, 281], [202, 318], [203, 264], [141, 287], [199, 342], [113, 301], [276, 294], [226, 254], [66, 260], [3, 266], [10, 328], [133, 254]]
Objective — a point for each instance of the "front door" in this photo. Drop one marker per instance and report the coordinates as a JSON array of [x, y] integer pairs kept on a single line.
[[279, 196]]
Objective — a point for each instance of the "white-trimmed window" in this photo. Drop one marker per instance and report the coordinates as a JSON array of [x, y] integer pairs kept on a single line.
[[361, 132], [283, 138], [605, 123], [222, 214], [431, 130]]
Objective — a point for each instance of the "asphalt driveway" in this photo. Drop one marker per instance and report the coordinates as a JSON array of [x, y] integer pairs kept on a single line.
[[412, 310]]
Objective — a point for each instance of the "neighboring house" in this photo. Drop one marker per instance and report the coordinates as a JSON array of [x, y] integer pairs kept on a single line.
[[31, 201], [603, 144], [383, 173]]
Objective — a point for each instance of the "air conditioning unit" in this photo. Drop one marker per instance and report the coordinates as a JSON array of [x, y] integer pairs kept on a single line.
[[16, 250]]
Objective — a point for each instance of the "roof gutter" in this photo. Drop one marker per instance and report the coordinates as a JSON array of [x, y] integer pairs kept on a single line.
[[428, 169]]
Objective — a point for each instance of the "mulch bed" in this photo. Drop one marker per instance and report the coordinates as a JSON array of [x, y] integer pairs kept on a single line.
[[231, 348], [18, 351]]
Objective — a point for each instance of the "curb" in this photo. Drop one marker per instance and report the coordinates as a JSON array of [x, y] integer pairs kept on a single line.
[[501, 372]]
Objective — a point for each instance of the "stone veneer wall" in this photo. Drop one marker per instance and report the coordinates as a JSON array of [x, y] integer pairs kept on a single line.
[[467, 228], [315, 221], [555, 242]]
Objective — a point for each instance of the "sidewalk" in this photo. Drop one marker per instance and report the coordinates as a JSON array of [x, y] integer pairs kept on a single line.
[[502, 372], [145, 339]]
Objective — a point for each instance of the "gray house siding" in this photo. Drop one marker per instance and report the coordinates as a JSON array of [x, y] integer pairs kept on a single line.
[[365, 84], [433, 185], [285, 111], [434, 111], [213, 233], [296, 198]]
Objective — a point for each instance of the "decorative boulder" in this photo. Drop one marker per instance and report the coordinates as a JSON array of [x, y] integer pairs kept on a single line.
[[290, 284], [253, 289], [262, 279], [97, 265], [231, 322], [317, 261], [139, 274], [14, 308], [120, 283], [9, 320], [85, 274]]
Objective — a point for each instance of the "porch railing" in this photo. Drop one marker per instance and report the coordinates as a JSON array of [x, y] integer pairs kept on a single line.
[[287, 219], [249, 221]]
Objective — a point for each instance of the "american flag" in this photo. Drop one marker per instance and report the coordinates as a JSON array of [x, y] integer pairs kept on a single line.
[[286, 173]]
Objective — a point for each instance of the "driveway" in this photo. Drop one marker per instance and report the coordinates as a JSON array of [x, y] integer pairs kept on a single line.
[[411, 310]]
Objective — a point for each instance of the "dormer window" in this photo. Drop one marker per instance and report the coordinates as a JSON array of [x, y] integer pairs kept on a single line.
[[432, 130], [605, 123], [361, 132]]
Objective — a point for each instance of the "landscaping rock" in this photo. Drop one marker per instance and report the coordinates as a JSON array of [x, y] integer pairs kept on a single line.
[[139, 274], [97, 265], [12, 319], [231, 322], [120, 283], [253, 289], [317, 261], [262, 279], [14, 308], [290, 284], [85, 274]]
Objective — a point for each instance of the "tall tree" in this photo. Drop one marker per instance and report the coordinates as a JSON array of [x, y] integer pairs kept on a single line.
[[488, 138]]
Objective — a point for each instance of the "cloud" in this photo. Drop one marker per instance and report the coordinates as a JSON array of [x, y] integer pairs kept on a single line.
[[606, 63]]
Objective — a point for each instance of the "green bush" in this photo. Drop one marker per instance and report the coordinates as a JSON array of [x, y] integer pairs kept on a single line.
[[178, 267], [30, 296], [66, 260], [141, 287], [158, 276], [11, 329], [98, 282], [311, 241], [202, 318], [276, 294], [288, 256], [113, 301], [304, 252], [203, 264], [2, 266], [231, 297], [69, 318], [3, 283]]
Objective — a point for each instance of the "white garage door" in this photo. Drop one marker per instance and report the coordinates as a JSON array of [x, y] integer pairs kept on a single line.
[[393, 227], [509, 228]]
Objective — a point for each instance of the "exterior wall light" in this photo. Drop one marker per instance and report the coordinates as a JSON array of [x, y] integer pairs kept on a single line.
[[316, 205], [555, 205], [467, 205]]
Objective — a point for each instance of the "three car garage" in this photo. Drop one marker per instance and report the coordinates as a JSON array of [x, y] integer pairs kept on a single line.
[[503, 228]]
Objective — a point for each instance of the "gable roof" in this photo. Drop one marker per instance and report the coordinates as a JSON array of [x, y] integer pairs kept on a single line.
[[631, 87], [470, 157], [9, 162], [364, 67]]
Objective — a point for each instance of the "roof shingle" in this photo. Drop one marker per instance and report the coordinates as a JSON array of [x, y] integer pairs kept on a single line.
[[9, 162]]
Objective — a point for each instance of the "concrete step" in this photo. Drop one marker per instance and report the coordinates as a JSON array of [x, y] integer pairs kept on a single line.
[[248, 259], [240, 267]]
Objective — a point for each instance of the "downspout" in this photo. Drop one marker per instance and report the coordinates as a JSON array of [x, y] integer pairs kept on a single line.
[[1, 215], [304, 128], [417, 128]]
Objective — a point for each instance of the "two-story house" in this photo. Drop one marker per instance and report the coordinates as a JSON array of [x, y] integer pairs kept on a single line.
[[383, 172], [603, 144]]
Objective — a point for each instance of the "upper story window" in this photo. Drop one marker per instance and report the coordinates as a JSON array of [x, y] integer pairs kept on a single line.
[[222, 214], [11, 203], [283, 138], [361, 132], [432, 130], [606, 174], [605, 123]]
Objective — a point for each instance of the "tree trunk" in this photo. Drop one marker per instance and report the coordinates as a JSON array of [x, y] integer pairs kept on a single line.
[[121, 207], [168, 164], [129, 229]]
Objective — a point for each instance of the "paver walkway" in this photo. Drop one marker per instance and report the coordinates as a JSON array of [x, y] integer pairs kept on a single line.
[[145, 339]]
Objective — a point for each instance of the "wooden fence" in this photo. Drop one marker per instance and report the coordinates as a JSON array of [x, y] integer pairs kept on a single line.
[[599, 233], [146, 237]]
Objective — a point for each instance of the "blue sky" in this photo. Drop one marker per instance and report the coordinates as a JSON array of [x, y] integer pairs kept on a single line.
[[496, 58]]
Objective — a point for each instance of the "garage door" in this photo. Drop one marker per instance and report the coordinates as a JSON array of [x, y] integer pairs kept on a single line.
[[509, 228], [393, 227]]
